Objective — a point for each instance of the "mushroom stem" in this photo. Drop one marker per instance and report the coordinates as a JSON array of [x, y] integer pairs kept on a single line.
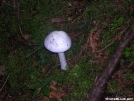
[[63, 62]]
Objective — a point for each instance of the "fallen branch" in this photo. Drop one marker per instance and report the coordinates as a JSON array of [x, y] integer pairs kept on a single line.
[[100, 84], [4, 83]]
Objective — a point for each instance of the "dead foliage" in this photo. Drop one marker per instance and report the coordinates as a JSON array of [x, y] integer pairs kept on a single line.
[[2, 68], [109, 69]]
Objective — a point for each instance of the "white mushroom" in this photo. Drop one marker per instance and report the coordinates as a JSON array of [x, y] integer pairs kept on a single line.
[[58, 42]]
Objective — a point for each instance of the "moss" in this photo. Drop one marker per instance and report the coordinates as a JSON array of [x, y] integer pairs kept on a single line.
[[26, 66]]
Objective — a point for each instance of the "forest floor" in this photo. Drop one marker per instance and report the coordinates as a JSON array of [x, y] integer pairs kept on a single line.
[[29, 72]]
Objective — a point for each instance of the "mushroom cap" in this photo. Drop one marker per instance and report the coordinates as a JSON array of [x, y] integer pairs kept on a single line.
[[57, 41]]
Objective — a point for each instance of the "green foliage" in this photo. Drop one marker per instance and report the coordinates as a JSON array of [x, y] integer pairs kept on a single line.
[[113, 86], [25, 66], [98, 10], [128, 52], [117, 22], [127, 3], [22, 98], [79, 76], [19, 69], [82, 80], [41, 87], [129, 76]]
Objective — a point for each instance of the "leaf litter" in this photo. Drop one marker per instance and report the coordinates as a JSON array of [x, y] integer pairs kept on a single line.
[[2, 68]]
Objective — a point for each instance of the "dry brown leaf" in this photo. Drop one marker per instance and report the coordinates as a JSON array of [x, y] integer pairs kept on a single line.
[[94, 41], [69, 18], [25, 36], [118, 37], [53, 82], [2, 67], [53, 88], [56, 20], [22, 39], [69, 4], [56, 93]]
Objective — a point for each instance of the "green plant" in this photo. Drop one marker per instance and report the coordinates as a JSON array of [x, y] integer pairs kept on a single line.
[[27, 67], [117, 22], [129, 76], [128, 52], [41, 87]]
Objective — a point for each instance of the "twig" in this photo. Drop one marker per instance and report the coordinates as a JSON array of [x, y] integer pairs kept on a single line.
[[112, 41], [34, 51], [17, 13], [105, 47], [101, 83], [7, 3], [73, 22], [4, 82], [130, 64], [16, 4]]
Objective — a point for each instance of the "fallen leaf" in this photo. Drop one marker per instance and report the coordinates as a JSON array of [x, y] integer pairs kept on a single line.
[[56, 20], [69, 4], [2, 67], [53, 88], [22, 40], [76, 3], [53, 82], [56, 93], [25, 36], [94, 41], [118, 37], [69, 19]]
